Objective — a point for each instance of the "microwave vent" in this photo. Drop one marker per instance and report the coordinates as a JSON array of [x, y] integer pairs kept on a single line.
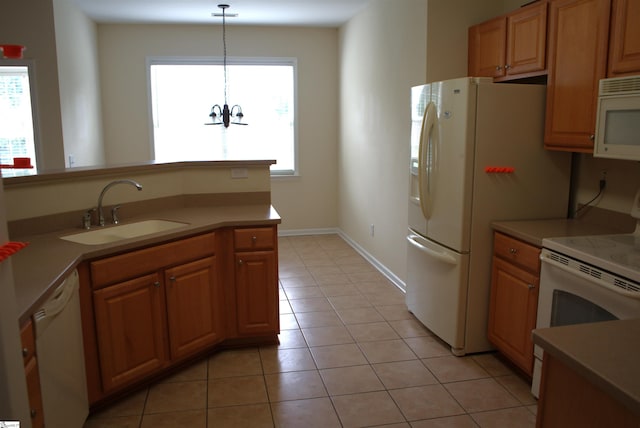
[[620, 86]]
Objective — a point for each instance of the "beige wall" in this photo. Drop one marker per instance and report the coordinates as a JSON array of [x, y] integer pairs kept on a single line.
[[447, 38], [623, 180], [304, 202], [76, 43], [385, 50], [30, 23]]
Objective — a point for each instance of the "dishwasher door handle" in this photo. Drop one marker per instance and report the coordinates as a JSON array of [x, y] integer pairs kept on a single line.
[[52, 307]]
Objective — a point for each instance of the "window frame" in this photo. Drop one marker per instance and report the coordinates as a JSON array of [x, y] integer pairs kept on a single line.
[[30, 64], [219, 60]]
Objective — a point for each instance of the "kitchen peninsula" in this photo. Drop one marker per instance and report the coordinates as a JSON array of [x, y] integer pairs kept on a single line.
[[590, 376], [209, 282]]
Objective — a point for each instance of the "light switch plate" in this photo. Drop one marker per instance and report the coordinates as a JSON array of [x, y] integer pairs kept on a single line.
[[239, 173]]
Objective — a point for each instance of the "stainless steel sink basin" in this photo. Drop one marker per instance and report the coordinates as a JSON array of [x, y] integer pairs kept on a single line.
[[124, 231]]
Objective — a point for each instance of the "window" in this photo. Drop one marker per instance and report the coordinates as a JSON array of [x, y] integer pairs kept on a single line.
[[184, 91], [16, 119]]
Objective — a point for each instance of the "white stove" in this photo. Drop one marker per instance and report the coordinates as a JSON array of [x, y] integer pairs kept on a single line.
[[588, 279], [616, 254]]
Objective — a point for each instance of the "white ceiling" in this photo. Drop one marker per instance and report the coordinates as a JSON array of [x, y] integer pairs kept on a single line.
[[331, 13]]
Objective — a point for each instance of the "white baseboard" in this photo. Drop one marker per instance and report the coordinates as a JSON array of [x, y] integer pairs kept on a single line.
[[302, 232], [330, 231]]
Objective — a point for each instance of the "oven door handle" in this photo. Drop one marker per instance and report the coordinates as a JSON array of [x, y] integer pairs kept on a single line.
[[631, 294]]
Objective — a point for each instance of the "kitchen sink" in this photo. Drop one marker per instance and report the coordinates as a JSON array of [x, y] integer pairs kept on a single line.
[[124, 231]]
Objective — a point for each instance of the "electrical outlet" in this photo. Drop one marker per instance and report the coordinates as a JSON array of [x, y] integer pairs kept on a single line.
[[372, 230]]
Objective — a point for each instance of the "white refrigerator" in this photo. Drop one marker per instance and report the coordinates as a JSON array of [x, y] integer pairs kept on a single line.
[[476, 156]]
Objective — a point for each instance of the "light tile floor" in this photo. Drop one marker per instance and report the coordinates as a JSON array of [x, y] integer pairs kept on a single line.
[[350, 355]]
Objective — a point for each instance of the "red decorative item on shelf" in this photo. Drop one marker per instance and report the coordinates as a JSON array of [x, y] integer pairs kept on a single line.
[[499, 169], [12, 51], [18, 163], [10, 248]]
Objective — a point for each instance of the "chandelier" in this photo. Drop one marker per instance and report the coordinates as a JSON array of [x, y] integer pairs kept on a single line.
[[225, 115]]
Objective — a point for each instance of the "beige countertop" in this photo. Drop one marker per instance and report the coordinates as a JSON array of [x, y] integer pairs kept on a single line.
[[605, 353], [534, 231], [48, 260]]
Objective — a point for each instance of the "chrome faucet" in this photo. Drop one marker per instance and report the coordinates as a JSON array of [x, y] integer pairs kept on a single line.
[[113, 183]]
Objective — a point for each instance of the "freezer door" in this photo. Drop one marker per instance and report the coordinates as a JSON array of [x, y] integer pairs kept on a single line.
[[437, 289]]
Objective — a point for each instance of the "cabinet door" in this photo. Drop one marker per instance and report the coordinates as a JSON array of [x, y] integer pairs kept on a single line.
[[624, 46], [32, 375], [487, 48], [194, 306], [527, 40], [512, 312], [35, 394], [257, 293], [130, 325], [578, 42]]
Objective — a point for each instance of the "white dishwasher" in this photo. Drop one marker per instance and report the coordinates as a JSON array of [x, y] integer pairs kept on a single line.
[[60, 353]]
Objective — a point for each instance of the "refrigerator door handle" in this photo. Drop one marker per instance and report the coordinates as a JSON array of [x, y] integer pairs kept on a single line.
[[427, 157], [441, 256]]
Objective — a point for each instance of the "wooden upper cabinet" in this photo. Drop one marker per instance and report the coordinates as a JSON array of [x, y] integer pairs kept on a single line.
[[624, 43], [511, 45], [577, 60], [487, 48], [527, 39]]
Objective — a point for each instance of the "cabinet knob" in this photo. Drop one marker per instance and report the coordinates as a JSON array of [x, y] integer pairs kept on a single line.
[[240, 262], [172, 278], [34, 413], [156, 284], [507, 66], [531, 286], [254, 239], [592, 137], [25, 352], [498, 68], [513, 251]]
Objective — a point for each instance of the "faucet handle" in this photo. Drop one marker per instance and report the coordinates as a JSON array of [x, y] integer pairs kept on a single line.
[[114, 214], [86, 218]]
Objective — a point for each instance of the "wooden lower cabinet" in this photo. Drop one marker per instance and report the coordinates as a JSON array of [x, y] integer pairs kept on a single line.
[[256, 281], [32, 375], [567, 399], [148, 310], [130, 326], [514, 300], [256, 297], [194, 313]]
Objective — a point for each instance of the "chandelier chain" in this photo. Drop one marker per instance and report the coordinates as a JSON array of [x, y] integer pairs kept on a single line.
[[224, 47]]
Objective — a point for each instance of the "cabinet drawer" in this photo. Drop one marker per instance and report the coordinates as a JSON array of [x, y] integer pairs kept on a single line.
[[27, 337], [515, 251], [256, 238], [135, 263]]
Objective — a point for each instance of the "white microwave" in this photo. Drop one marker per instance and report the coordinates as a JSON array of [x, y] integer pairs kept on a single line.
[[618, 122]]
